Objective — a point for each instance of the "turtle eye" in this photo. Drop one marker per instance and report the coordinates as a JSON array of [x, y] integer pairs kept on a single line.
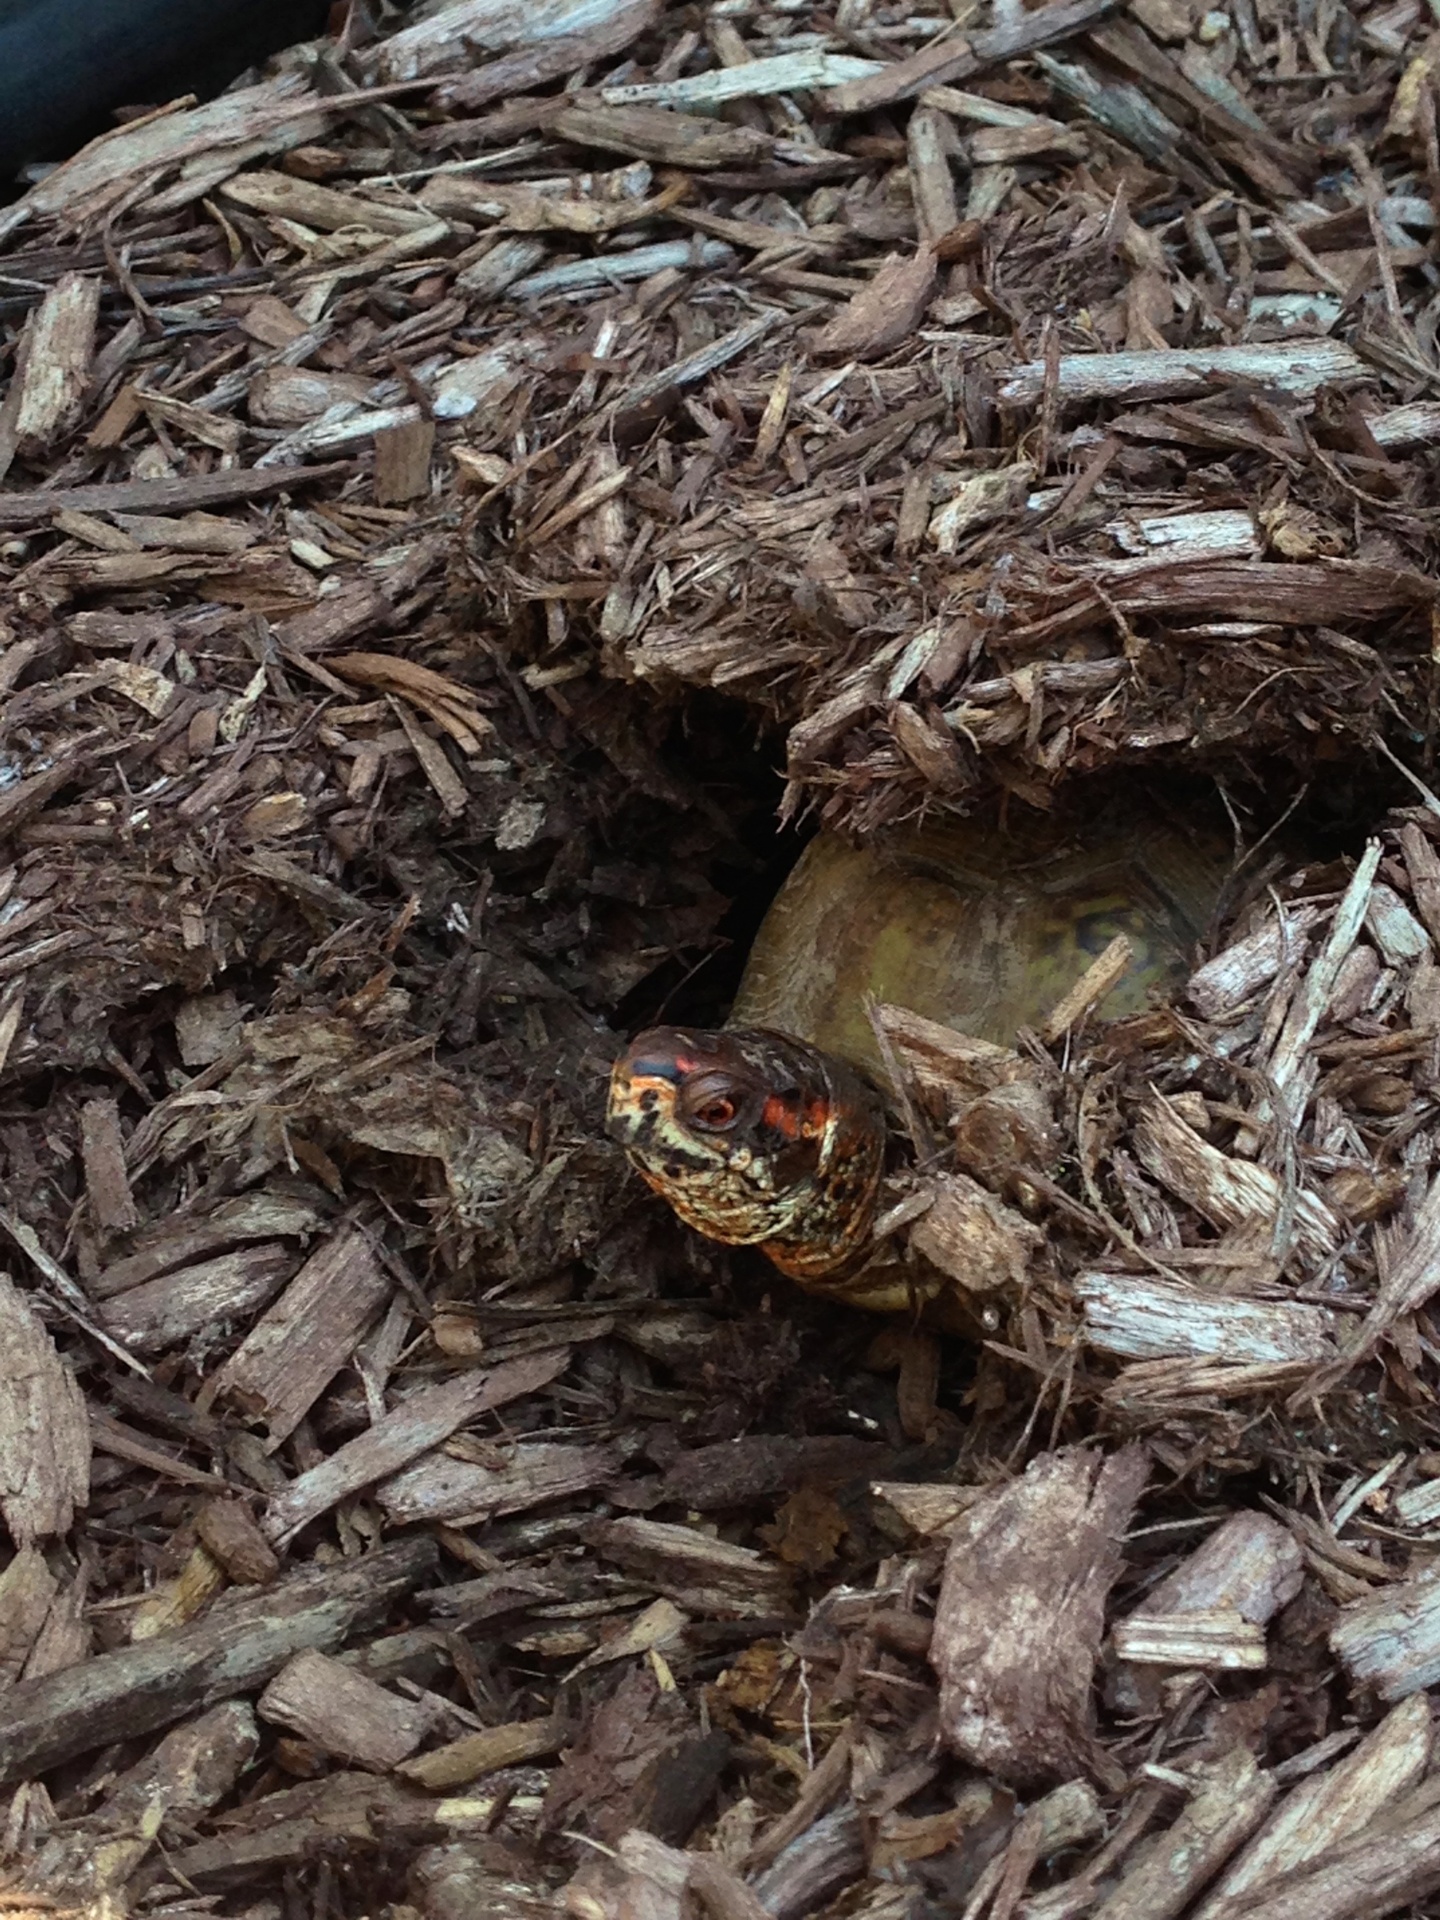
[[711, 1105]]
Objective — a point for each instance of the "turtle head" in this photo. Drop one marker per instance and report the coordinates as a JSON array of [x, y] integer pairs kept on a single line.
[[754, 1139]]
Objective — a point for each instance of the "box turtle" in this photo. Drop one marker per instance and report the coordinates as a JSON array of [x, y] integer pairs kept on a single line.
[[771, 1131]]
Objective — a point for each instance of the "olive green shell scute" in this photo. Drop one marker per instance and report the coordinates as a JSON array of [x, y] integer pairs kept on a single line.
[[981, 930]]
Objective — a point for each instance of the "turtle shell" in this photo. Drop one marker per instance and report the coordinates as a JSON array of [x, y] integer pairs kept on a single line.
[[982, 930]]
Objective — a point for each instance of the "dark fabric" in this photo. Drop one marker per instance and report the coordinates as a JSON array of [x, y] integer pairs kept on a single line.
[[65, 65]]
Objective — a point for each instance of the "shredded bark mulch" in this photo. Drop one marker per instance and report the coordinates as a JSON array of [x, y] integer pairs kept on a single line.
[[443, 479]]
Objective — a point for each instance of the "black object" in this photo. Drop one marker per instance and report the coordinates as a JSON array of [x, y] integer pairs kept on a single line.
[[66, 65]]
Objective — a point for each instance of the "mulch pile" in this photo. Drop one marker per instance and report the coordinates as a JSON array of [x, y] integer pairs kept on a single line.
[[426, 471]]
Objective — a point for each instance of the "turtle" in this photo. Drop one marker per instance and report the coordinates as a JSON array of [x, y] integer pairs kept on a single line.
[[772, 1130]]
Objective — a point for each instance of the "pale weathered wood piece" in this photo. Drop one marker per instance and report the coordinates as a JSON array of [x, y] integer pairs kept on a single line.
[[263, 190], [698, 1573], [1105, 971], [1330, 1808], [185, 533], [974, 1239], [1418, 1505], [1215, 1638], [1295, 366], [955, 56], [1391, 1640], [465, 1879], [1224, 531], [526, 70], [657, 133], [233, 1649], [466, 1492], [1239, 972], [450, 37], [202, 146], [947, 1061], [927, 1509], [820, 1862], [1152, 1319], [802, 71], [342, 1712], [1394, 1861], [425, 1420], [1250, 1562], [1414, 425], [342, 425], [1227, 1190], [54, 362], [1394, 929], [1021, 1613], [1211, 1612], [44, 1429], [1231, 1797], [1064, 1818], [27, 1592], [1308, 1007], [1412, 1271], [930, 139], [165, 1311], [176, 1240], [643, 1876], [295, 1349], [285, 396]]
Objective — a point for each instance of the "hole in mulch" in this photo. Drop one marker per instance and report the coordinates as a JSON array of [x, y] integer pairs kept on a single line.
[[1267, 811], [739, 767]]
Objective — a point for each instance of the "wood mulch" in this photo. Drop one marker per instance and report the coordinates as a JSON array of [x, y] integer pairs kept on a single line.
[[426, 472]]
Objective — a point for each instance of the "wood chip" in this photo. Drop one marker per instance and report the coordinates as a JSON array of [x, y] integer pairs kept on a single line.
[[1021, 1613], [54, 358], [1230, 1798], [134, 1689], [160, 1312], [658, 134], [44, 1431], [402, 461], [1392, 1641], [1329, 1809], [294, 1350], [341, 1712], [177, 495], [107, 1184], [953, 56], [475, 1754], [1150, 1319], [885, 310], [229, 1532], [424, 1421], [1293, 366]]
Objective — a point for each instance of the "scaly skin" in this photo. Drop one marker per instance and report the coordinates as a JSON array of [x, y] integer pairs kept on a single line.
[[757, 1140]]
